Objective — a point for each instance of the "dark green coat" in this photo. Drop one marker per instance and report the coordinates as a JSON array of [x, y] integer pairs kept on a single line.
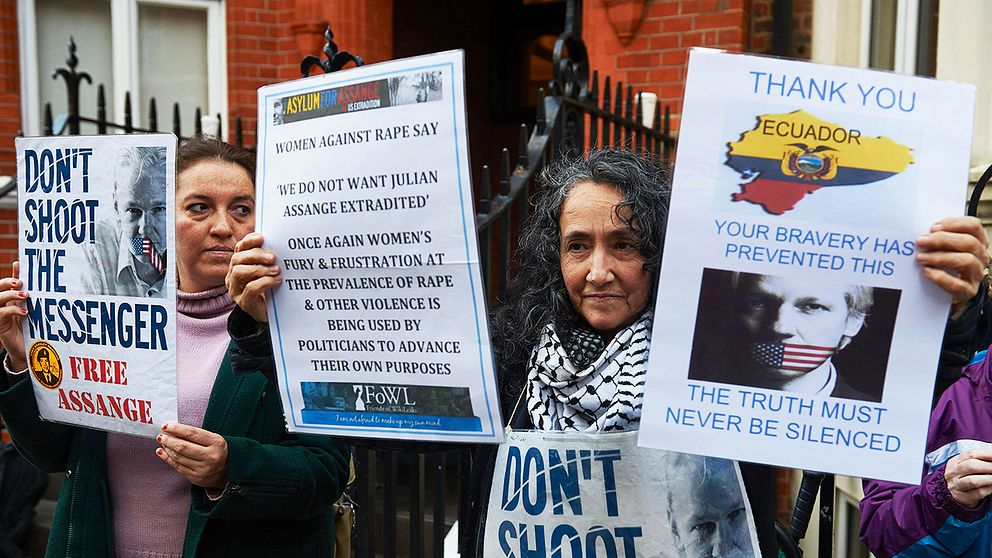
[[281, 486]]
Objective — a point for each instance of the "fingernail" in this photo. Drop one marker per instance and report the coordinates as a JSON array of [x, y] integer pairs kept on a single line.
[[22, 294], [158, 451], [165, 426], [158, 438], [24, 311], [937, 227]]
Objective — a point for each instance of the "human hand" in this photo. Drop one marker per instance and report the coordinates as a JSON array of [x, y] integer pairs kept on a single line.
[[954, 255], [253, 271], [969, 476], [11, 312], [195, 453]]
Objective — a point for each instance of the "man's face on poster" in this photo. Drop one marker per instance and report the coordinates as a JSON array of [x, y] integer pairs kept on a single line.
[[46, 366], [141, 206], [709, 515], [790, 310]]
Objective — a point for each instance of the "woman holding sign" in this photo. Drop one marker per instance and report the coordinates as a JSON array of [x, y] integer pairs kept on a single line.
[[228, 479], [573, 340]]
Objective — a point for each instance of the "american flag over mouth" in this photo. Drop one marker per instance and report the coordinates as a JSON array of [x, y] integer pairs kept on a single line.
[[790, 356], [144, 245]]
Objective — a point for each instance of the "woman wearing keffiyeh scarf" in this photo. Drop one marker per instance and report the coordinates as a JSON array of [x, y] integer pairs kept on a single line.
[[573, 338]]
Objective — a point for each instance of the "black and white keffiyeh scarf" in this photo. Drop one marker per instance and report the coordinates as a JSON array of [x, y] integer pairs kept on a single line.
[[576, 383]]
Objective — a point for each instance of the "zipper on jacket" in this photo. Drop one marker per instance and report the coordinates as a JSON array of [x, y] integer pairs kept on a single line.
[[72, 507]]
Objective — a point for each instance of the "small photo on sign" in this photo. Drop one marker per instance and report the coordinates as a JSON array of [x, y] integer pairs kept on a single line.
[[126, 256], [794, 334]]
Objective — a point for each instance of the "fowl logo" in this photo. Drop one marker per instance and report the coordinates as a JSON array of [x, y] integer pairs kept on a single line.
[[787, 156]]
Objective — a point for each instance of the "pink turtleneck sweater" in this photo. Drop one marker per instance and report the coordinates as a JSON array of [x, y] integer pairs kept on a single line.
[[149, 501]]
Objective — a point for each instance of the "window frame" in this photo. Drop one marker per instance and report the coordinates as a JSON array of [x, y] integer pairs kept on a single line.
[[907, 26], [124, 53]]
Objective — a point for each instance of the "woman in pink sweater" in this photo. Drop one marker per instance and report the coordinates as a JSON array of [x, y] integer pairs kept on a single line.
[[227, 479]]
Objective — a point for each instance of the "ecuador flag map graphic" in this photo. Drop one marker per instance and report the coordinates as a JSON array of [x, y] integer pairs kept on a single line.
[[794, 154]]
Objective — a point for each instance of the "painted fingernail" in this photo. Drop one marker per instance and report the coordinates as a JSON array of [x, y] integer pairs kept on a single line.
[[158, 438], [24, 311], [165, 426], [22, 294], [158, 451]]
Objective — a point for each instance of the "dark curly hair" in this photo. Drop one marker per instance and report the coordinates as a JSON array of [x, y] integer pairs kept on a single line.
[[537, 296]]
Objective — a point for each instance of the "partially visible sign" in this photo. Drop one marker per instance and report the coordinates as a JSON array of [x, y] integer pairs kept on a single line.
[[599, 495]]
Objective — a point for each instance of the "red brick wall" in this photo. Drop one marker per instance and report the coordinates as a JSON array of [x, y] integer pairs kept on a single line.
[[10, 98], [8, 239], [10, 123], [762, 24], [259, 52], [655, 59], [267, 39]]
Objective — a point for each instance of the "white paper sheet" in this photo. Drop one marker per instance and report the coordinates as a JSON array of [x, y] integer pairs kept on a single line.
[[793, 325], [364, 193], [97, 255]]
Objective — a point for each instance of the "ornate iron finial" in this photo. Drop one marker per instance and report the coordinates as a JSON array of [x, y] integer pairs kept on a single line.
[[570, 60], [335, 59], [72, 80], [570, 71]]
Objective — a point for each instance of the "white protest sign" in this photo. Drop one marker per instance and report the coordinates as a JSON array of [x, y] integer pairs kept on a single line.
[[96, 250], [793, 326], [599, 495], [379, 328]]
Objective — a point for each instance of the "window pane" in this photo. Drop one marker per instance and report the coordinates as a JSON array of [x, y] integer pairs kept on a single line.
[[173, 62], [855, 548], [883, 34], [926, 36], [89, 24]]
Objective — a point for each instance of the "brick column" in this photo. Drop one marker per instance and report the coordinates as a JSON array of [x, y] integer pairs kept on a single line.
[[10, 94], [267, 40], [362, 27], [655, 59]]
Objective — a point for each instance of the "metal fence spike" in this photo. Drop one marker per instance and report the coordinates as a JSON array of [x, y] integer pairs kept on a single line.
[[101, 110], [504, 172], [152, 115], [176, 121], [523, 158]]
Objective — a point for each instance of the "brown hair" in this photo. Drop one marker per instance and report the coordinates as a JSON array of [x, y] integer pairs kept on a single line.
[[201, 148]]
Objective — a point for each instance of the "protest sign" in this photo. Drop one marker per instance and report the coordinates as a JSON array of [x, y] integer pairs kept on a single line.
[[96, 252], [379, 328], [793, 326], [599, 495]]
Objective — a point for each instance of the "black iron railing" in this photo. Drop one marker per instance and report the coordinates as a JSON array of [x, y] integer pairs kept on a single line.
[[407, 501]]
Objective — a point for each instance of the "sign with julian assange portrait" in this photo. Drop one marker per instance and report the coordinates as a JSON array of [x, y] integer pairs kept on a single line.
[[793, 325], [96, 249], [364, 190], [581, 494]]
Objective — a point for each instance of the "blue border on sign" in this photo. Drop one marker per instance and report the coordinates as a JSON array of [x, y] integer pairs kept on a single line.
[[461, 199]]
